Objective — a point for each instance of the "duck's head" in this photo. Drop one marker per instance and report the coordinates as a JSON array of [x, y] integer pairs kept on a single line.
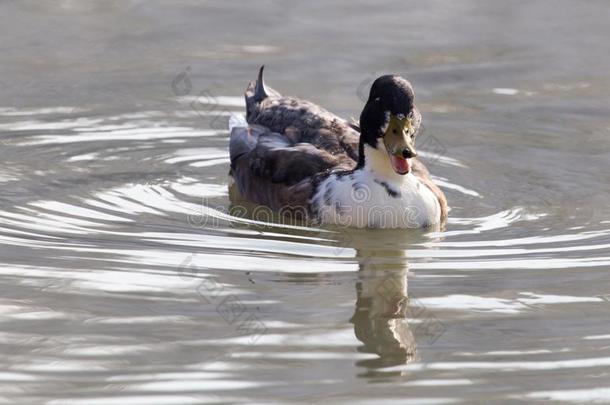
[[390, 121]]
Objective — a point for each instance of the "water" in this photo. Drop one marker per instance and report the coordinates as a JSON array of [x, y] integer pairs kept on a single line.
[[128, 276]]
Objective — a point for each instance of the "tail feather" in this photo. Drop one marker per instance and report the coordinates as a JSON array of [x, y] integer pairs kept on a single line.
[[257, 93], [260, 93]]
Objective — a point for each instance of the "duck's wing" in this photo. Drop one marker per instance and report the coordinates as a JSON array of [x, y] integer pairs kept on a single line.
[[277, 157], [421, 172], [270, 169]]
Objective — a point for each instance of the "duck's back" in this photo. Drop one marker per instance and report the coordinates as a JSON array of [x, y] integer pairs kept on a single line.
[[287, 146]]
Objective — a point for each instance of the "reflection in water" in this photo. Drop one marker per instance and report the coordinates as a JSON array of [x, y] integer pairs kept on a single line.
[[380, 318], [385, 319]]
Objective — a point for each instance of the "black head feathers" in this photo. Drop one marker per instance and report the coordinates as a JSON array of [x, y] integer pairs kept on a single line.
[[390, 94]]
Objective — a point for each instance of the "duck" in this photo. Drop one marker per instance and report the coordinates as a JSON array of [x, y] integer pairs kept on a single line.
[[308, 164]]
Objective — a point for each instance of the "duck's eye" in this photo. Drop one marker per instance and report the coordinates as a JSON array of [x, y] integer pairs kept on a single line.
[[394, 131], [377, 99]]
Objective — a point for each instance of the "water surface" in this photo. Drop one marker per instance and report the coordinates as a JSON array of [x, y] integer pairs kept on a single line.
[[129, 277]]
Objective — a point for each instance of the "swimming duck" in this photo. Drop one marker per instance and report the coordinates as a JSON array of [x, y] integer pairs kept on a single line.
[[307, 163]]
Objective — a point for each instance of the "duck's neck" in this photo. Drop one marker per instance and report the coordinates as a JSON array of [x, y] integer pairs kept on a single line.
[[376, 163]]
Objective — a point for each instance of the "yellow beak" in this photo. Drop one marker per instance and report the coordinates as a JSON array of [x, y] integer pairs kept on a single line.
[[398, 138]]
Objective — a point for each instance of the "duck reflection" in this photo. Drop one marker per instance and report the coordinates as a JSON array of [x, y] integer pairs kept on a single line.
[[382, 314], [382, 304], [380, 318]]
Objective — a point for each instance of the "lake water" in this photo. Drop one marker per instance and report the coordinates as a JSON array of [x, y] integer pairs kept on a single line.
[[129, 278]]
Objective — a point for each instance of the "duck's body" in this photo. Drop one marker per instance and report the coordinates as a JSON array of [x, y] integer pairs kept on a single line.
[[304, 161], [364, 200]]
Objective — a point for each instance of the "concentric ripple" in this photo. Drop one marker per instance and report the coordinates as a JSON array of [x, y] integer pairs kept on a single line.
[[132, 272]]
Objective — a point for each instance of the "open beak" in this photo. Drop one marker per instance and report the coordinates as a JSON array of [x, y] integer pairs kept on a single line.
[[399, 144]]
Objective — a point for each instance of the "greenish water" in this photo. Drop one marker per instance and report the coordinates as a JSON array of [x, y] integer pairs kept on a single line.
[[128, 277]]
